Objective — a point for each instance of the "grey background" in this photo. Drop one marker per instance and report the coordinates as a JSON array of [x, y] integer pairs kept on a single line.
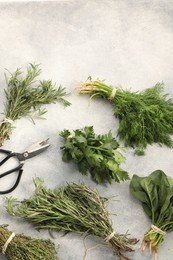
[[127, 43]]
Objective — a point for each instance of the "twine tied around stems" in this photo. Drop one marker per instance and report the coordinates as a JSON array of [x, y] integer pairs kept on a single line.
[[7, 120], [113, 93], [111, 235], [4, 248], [158, 230]]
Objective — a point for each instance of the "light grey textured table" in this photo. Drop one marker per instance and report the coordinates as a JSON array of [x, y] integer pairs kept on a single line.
[[124, 42]]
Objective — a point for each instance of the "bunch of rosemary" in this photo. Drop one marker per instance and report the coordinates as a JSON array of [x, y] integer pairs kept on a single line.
[[75, 208], [25, 97], [97, 154], [144, 117], [21, 247]]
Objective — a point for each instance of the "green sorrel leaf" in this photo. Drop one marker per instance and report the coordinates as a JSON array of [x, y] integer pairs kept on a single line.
[[156, 194]]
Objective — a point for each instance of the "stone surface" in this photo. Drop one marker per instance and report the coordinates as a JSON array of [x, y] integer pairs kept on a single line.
[[127, 43]]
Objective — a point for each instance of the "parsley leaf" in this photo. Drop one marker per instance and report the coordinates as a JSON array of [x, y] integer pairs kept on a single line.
[[97, 154]]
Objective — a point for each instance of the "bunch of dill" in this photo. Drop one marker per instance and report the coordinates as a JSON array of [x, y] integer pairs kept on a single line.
[[144, 117], [25, 97], [71, 208], [22, 247]]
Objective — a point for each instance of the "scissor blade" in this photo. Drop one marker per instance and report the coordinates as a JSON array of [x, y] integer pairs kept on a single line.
[[38, 145], [33, 150]]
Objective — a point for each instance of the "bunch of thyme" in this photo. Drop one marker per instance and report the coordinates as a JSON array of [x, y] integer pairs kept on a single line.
[[25, 96], [144, 117], [21, 247], [72, 208]]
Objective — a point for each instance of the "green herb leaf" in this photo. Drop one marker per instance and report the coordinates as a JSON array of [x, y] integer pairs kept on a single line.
[[98, 155], [156, 194]]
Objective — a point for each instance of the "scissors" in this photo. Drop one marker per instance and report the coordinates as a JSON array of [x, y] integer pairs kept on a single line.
[[30, 152]]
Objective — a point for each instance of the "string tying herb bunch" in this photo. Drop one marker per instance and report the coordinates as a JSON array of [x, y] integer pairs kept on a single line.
[[25, 96], [156, 195], [21, 247], [97, 154], [71, 208], [144, 117]]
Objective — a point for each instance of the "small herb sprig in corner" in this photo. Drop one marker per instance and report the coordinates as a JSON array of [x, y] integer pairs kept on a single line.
[[97, 154], [23, 247], [25, 97]]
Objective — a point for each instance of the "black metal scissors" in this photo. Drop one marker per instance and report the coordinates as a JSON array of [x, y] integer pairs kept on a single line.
[[30, 152]]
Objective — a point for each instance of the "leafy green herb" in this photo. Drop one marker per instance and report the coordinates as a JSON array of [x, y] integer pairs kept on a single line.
[[26, 96], [97, 154], [71, 208], [144, 117], [156, 194], [22, 247]]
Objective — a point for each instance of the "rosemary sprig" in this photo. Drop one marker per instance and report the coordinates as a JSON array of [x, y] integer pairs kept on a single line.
[[75, 208], [22, 247], [144, 117], [25, 96]]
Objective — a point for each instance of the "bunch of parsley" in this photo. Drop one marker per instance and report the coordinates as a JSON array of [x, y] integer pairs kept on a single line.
[[144, 117], [97, 154]]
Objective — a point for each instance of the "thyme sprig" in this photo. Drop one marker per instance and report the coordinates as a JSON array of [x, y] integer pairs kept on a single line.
[[71, 208], [25, 97], [144, 117], [23, 247]]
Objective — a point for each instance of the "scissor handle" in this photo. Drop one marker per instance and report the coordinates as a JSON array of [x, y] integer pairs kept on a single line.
[[7, 157], [5, 151], [12, 170], [15, 185], [17, 168]]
